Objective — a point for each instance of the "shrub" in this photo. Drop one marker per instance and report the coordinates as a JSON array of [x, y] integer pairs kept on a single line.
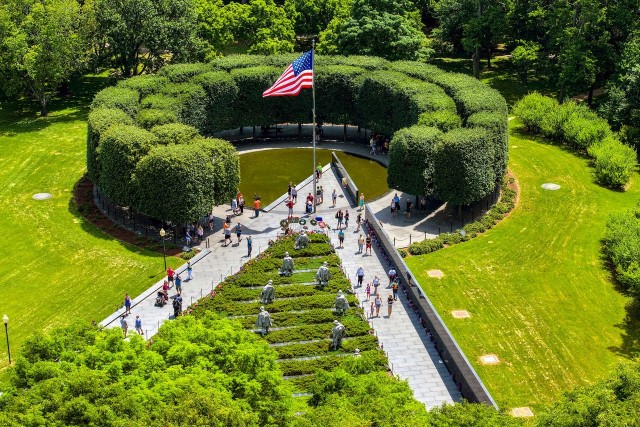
[[120, 150], [463, 166], [497, 126], [614, 162], [175, 183], [340, 84], [145, 85], [99, 120], [117, 97], [161, 102], [537, 113], [151, 117], [222, 94], [182, 73], [251, 108], [175, 133], [445, 120], [226, 166], [191, 103], [583, 128], [411, 163], [621, 244]]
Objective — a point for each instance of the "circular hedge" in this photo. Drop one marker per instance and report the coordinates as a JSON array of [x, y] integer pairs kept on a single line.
[[449, 131]]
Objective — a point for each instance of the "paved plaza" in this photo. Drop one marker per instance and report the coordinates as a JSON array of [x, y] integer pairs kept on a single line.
[[411, 354]]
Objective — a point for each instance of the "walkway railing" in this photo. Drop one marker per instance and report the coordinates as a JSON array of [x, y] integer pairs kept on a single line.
[[343, 174], [465, 377]]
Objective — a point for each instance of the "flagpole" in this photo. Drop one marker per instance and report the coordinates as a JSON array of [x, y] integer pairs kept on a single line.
[[313, 111]]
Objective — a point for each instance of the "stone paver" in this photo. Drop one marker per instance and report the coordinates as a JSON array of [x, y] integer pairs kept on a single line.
[[411, 354]]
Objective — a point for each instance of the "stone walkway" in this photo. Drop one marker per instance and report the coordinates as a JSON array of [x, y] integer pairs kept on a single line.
[[410, 352]]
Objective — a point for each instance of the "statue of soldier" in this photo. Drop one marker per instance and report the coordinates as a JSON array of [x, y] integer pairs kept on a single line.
[[323, 275], [338, 332], [341, 303], [302, 241], [287, 265], [268, 293], [264, 321]]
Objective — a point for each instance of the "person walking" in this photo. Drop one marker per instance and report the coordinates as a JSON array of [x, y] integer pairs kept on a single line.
[[321, 195], [376, 283], [200, 233], [239, 232], [360, 274], [241, 203], [408, 211], [378, 302], [389, 305], [319, 171], [396, 202], [393, 208], [372, 309], [367, 245], [189, 271], [341, 238], [394, 287], [124, 325], [256, 206], [227, 234], [138, 325], [170, 274], [249, 246], [361, 202], [368, 290], [334, 198], [360, 243], [392, 276], [294, 194], [178, 284], [289, 189], [346, 219], [290, 206], [358, 222], [127, 304], [234, 206], [372, 145], [211, 221]]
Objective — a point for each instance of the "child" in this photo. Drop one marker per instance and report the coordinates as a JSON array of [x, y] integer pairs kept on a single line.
[[373, 307], [368, 291]]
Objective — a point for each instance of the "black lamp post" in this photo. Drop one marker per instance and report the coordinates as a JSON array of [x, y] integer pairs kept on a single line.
[[164, 253], [5, 319]]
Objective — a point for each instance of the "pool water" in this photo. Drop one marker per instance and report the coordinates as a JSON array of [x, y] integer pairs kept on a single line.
[[267, 173]]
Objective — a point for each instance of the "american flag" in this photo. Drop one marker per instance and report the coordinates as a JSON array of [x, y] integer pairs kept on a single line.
[[297, 76]]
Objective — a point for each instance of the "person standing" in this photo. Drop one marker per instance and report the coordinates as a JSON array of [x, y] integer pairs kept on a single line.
[[346, 219], [394, 287], [138, 325], [178, 284], [372, 309], [124, 325], [294, 194], [187, 237], [239, 232], [360, 243], [361, 202], [360, 274], [334, 198], [367, 245], [200, 233], [368, 290], [256, 206], [227, 233], [127, 304], [408, 211], [372, 145], [393, 208], [211, 221], [319, 171], [290, 206], [321, 195], [396, 202], [289, 190], [249, 246], [378, 302], [392, 276], [170, 274], [189, 271], [358, 222], [339, 217], [241, 203], [341, 238], [389, 305], [376, 283]]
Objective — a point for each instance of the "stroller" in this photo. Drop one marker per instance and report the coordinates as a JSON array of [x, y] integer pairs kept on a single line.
[[161, 299]]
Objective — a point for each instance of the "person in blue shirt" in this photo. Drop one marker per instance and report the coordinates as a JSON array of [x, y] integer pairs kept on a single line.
[[178, 282], [139, 325], [341, 238]]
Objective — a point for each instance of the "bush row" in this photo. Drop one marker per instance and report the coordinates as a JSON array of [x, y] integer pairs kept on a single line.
[[318, 331], [304, 367], [580, 127], [492, 217], [288, 291], [227, 93], [309, 317], [292, 351], [621, 244]]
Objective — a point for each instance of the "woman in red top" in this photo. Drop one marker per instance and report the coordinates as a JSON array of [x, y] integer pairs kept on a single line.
[[170, 274]]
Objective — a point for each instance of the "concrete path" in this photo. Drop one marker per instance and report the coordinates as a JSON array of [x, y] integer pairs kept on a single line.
[[410, 352]]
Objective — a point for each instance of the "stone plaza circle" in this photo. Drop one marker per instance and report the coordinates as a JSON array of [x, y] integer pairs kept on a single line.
[[183, 102]]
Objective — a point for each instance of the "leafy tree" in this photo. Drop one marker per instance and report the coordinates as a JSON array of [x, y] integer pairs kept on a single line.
[[263, 25], [139, 33], [213, 25], [390, 29], [41, 46], [313, 16], [525, 58]]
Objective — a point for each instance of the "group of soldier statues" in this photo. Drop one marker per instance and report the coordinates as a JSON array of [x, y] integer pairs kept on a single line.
[[322, 276]]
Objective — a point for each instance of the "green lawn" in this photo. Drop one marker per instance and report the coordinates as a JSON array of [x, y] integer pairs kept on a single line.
[[56, 267], [267, 173], [536, 288]]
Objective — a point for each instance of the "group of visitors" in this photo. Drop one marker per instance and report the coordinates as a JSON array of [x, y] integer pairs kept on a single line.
[[376, 304], [378, 144]]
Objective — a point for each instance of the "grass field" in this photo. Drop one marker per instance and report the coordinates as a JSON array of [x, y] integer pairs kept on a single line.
[[267, 173], [57, 267], [536, 287]]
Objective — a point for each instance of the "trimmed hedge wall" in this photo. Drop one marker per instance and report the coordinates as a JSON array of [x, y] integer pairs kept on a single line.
[[387, 97], [583, 129]]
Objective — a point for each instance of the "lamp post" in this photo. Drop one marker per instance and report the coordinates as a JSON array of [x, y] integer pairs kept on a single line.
[[5, 319], [164, 252]]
